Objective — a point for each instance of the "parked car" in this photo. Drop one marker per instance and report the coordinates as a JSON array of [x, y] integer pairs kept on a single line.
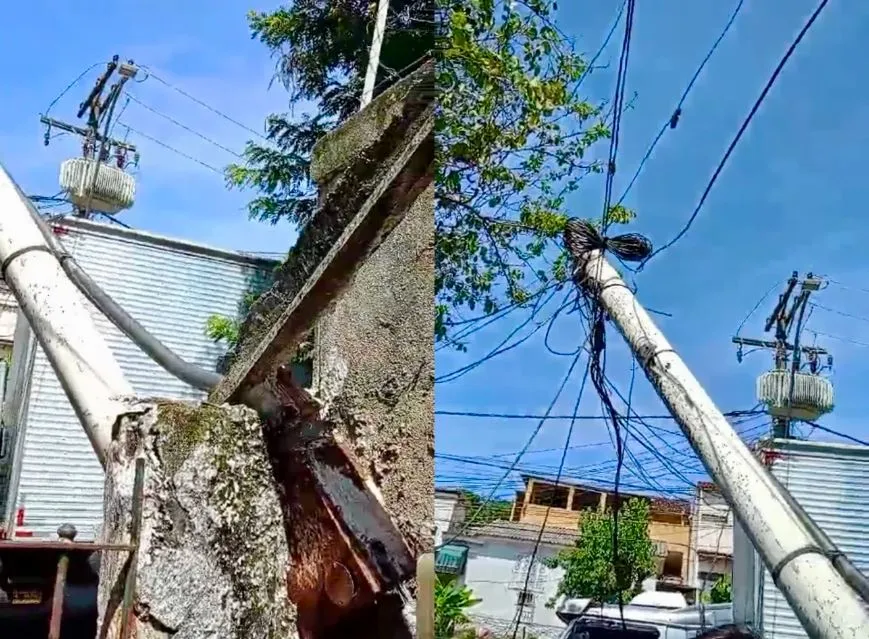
[[646, 617]]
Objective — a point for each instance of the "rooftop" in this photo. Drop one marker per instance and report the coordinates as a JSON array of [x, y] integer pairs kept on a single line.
[[658, 504], [522, 531]]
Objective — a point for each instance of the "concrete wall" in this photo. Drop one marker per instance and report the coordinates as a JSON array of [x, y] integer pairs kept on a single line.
[[374, 369], [448, 512], [711, 536], [713, 524], [496, 574], [8, 318]]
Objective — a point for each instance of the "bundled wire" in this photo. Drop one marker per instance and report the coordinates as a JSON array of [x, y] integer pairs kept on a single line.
[[581, 236]]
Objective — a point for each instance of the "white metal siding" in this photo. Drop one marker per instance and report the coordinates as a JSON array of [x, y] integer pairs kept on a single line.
[[831, 482], [172, 292]]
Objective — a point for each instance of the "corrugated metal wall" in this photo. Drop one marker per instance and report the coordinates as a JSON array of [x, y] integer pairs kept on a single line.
[[831, 482], [172, 291]]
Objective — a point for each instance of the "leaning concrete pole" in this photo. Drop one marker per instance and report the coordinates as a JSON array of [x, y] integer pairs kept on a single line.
[[55, 310], [826, 606]]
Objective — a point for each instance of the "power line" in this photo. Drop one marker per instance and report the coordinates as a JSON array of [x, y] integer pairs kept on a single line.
[[839, 338], [530, 440], [839, 434], [837, 312], [754, 109], [548, 509], [673, 120], [172, 148], [217, 112], [71, 85], [183, 126], [618, 101], [736, 413]]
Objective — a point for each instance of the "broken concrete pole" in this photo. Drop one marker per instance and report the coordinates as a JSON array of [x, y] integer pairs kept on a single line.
[[212, 554], [362, 276]]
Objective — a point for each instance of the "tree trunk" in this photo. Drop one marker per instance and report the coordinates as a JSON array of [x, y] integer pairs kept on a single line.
[[213, 552]]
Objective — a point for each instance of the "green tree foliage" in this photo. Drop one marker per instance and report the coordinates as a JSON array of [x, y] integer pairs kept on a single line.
[[321, 49], [721, 591], [513, 139], [513, 131], [588, 566], [452, 602], [496, 509], [225, 329]]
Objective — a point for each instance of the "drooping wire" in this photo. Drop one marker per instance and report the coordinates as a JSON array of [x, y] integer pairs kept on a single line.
[[539, 539], [71, 85], [673, 120], [754, 109], [471, 520]]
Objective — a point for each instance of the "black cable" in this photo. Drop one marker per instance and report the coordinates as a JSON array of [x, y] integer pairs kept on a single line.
[[581, 237], [457, 413], [754, 109], [126, 323], [71, 85], [673, 120], [522, 452], [618, 102], [539, 539], [837, 433]]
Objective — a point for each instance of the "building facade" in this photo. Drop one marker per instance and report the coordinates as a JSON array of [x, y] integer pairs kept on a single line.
[[711, 538], [509, 577], [449, 513], [669, 521]]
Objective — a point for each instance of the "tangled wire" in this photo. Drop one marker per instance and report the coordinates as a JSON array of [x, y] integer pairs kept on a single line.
[[581, 236]]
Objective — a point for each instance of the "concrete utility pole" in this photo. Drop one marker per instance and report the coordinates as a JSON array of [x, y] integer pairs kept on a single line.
[[86, 368], [823, 602], [786, 352], [374, 55]]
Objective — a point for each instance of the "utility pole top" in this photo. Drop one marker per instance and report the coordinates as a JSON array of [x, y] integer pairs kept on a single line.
[[96, 182], [789, 392]]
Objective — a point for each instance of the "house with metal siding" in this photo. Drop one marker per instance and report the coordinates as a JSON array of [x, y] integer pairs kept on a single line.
[[171, 287], [831, 482]]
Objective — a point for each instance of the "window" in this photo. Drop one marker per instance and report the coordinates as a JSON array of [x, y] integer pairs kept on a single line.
[[522, 570], [706, 580], [548, 495], [525, 606], [717, 517], [451, 559]]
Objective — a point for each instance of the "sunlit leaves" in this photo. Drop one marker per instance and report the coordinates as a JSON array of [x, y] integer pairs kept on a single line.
[[589, 569], [513, 134]]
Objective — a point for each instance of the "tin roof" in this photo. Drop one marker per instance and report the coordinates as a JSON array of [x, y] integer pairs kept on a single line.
[[524, 531]]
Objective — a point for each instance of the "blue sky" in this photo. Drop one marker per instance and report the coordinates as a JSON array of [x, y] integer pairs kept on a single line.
[[790, 198], [202, 47]]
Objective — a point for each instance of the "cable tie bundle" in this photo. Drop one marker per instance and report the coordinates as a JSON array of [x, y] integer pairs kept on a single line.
[[581, 236]]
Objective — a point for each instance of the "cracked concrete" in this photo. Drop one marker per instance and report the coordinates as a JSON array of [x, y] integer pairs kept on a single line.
[[213, 553]]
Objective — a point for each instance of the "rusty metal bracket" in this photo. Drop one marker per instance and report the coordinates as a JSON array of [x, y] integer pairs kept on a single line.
[[346, 554], [68, 546]]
